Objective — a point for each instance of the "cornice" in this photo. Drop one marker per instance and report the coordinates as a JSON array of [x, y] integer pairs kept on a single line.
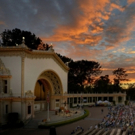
[[33, 54], [4, 76], [17, 98]]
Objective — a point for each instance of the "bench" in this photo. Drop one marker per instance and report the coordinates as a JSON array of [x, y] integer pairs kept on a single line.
[[113, 131], [78, 132], [87, 131], [106, 132], [100, 132], [94, 131], [118, 132]]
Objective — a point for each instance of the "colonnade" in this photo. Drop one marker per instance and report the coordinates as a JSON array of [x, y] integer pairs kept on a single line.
[[92, 98]]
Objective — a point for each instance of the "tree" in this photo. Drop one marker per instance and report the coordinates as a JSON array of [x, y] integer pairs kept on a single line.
[[120, 75], [64, 58], [131, 91], [14, 38], [82, 71], [43, 46], [102, 84]]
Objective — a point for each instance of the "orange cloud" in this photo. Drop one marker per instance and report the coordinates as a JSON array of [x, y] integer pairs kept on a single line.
[[130, 1], [2, 23], [115, 6], [131, 52], [78, 31]]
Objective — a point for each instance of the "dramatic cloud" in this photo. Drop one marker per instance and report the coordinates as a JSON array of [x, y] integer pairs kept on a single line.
[[99, 30]]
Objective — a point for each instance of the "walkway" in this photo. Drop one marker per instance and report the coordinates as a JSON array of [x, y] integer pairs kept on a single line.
[[39, 116], [94, 118]]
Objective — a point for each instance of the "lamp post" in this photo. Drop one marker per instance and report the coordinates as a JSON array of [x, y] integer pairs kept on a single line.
[[81, 100], [48, 119]]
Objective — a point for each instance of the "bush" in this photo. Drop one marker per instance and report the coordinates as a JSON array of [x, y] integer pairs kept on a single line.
[[13, 118], [86, 113]]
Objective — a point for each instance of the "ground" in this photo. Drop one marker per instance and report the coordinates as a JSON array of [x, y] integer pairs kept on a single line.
[[94, 117]]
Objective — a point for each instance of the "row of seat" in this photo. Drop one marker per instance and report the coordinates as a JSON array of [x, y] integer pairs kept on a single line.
[[103, 131]]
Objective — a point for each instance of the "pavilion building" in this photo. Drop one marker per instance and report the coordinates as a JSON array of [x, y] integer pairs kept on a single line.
[[32, 79]]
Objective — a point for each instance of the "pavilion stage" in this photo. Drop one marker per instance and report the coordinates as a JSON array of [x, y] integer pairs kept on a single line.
[[56, 117]]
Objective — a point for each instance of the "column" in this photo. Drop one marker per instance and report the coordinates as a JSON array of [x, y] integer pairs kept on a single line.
[[102, 98], [73, 101], [2, 112], [10, 106], [115, 99], [22, 74], [33, 109], [40, 105], [22, 109], [77, 100], [26, 110]]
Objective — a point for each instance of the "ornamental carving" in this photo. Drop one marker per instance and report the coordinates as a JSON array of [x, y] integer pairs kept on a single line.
[[57, 88], [29, 93], [3, 69]]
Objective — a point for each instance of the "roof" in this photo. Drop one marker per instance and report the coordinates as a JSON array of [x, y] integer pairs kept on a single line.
[[24, 51]]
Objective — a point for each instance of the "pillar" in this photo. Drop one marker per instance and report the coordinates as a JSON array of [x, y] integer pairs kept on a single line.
[[2, 112], [92, 99], [33, 109]]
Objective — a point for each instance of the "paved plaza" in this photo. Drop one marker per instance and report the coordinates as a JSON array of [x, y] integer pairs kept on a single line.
[[31, 128]]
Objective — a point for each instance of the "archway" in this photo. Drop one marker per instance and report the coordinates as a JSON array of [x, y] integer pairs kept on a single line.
[[48, 82]]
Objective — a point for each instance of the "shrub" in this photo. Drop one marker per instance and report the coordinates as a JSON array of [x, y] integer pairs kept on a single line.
[[86, 113], [13, 118]]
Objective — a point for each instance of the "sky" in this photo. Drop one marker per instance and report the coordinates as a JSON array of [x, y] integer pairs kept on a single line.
[[94, 30]]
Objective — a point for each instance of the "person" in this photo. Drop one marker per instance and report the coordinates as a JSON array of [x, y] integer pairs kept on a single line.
[[59, 110], [102, 110], [96, 126], [82, 129], [72, 132], [90, 127]]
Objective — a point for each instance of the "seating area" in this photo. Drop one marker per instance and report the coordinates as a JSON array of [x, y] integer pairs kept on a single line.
[[120, 120]]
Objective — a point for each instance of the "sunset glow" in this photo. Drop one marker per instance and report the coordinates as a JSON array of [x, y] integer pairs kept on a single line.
[[95, 30]]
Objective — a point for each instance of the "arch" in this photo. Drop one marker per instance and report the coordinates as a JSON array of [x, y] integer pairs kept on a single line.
[[41, 89], [54, 81], [48, 82]]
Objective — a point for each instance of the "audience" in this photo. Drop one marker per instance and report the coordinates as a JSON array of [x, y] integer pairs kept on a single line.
[[119, 116]]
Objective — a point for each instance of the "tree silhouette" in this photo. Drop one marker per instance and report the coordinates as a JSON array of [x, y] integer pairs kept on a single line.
[[14, 38], [102, 84], [120, 75], [82, 71]]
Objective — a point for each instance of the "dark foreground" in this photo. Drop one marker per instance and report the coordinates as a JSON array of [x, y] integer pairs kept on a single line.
[[94, 117]]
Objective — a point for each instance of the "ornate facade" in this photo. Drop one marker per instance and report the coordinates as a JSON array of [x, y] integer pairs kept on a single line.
[[29, 80], [32, 79]]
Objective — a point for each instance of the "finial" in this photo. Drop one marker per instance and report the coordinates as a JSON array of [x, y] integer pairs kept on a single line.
[[23, 40]]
